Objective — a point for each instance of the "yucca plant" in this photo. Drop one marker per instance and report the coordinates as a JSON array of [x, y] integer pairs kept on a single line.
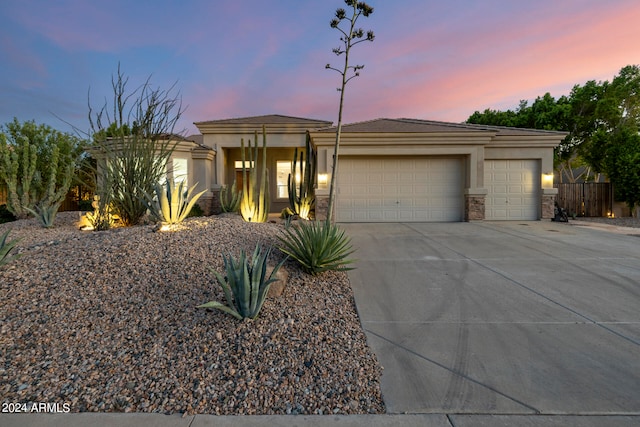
[[172, 203], [318, 246], [6, 248], [230, 198], [245, 284]]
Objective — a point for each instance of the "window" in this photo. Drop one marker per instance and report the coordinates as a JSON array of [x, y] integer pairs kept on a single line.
[[180, 171], [283, 169]]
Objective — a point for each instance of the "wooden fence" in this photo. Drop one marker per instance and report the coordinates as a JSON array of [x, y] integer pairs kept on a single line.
[[70, 203], [590, 199]]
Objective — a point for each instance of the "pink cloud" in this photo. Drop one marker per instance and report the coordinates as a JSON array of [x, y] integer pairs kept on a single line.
[[518, 60]]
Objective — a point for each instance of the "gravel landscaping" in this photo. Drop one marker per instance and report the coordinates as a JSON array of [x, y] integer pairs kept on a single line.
[[107, 321], [618, 222]]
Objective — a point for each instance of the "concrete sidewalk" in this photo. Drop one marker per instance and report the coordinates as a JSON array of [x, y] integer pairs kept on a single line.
[[413, 420]]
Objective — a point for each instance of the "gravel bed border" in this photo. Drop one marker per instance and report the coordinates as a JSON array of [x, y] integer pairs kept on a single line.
[[107, 321]]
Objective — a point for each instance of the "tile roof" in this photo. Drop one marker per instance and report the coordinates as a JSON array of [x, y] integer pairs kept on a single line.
[[266, 119], [404, 125]]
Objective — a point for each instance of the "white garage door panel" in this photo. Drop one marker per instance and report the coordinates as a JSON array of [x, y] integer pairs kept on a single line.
[[399, 190], [513, 189]]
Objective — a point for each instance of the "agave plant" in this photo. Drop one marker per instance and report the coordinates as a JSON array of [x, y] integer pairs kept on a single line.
[[6, 248], [172, 204], [318, 246], [245, 285], [230, 198], [45, 213]]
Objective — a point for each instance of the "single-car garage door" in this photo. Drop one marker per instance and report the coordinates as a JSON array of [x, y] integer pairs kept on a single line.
[[427, 189], [512, 189]]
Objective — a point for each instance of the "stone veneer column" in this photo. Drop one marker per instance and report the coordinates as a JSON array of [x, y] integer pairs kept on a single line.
[[213, 205], [322, 204], [548, 199], [474, 200]]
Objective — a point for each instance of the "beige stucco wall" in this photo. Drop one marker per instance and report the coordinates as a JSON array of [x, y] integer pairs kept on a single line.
[[469, 147], [273, 156]]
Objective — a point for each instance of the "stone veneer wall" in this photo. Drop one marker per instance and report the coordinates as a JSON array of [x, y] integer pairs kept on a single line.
[[473, 208], [548, 205]]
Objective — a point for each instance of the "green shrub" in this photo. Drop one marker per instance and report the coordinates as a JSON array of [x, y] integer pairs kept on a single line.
[[6, 215], [172, 203], [85, 205], [245, 284], [318, 246], [6, 248], [196, 210]]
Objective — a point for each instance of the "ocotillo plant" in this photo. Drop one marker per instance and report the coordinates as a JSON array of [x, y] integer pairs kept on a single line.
[[254, 206], [302, 199]]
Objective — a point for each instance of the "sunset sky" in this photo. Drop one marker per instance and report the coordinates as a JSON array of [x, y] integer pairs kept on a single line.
[[438, 60]]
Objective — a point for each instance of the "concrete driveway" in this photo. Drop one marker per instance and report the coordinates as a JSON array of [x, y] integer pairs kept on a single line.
[[501, 317]]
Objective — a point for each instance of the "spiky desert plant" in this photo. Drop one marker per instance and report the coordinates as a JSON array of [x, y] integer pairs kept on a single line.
[[102, 218], [230, 198], [171, 203], [254, 205], [318, 246], [45, 214], [302, 198], [6, 247], [245, 284], [47, 208], [12, 163]]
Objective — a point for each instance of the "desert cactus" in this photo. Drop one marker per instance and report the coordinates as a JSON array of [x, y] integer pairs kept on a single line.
[[302, 199], [254, 205]]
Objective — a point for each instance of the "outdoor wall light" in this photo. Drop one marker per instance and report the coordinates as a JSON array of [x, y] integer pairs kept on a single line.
[[323, 179], [547, 178]]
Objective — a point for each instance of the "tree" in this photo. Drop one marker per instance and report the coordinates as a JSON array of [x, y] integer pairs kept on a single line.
[[350, 36], [37, 164], [599, 117], [610, 129], [133, 145], [621, 163]]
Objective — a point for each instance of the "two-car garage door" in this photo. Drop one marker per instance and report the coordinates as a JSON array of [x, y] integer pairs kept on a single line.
[[430, 189], [400, 189]]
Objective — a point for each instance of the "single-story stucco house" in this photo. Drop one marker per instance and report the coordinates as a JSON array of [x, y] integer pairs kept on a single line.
[[390, 169]]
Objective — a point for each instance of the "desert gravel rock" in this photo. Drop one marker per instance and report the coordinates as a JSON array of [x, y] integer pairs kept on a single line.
[[630, 222], [107, 321]]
